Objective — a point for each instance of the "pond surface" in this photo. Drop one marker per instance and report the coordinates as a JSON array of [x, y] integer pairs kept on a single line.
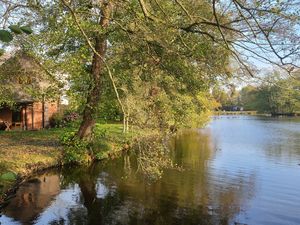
[[238, 170]]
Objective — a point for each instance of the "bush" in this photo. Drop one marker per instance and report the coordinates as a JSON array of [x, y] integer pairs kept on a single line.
[[101, 148], [76, 150], [55, 120], [58, 120], [71, 117]]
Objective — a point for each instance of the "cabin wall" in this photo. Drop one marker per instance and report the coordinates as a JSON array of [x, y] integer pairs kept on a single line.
[[37, 115], [28, 116], [36, 109], [53, 109], [50, 109]]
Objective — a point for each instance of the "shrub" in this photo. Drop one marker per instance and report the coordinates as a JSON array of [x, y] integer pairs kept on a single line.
[[55, 120], [76, 150], [58, 120], [71, 117], [101, 148]]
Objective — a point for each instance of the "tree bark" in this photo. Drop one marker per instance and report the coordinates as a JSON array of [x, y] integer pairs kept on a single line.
[[127, 123], [124, 123], [93, 98]]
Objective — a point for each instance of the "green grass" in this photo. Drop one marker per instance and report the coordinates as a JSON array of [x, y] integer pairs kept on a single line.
[[22, 152]]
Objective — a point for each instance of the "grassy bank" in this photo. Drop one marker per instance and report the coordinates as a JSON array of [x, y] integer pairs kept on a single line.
[[21, 151], [24, 152]]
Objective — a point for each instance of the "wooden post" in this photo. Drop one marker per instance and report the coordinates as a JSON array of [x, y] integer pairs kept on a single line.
[[32, 117], [25, 117], [43, 111]]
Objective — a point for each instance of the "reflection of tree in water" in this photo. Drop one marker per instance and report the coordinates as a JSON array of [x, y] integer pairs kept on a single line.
[[189, 196], [129, 203], [219, 195], [113, 192]]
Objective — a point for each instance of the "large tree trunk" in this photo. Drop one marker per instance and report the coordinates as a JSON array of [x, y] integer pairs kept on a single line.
[[93, 98]]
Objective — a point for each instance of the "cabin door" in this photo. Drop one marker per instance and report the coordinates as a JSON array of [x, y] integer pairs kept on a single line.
[[17, 118]]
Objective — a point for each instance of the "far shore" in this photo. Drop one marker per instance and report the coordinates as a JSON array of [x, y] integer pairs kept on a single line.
[[255, 113]]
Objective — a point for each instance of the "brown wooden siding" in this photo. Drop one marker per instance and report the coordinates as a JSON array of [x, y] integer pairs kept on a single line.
[[26, 114]]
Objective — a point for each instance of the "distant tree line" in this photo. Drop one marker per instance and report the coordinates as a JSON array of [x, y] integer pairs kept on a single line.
[[273, 95]]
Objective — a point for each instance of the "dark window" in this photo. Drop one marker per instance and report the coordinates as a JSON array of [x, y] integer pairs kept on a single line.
[[16, 116]]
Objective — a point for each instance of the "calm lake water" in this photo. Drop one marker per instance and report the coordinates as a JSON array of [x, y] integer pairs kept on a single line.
[[238, 170]]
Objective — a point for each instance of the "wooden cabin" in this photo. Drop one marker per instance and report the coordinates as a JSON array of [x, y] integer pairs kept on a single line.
[[27, 115], [25, 84]]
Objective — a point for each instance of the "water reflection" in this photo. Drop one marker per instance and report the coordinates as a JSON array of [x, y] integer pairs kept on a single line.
[[33, 197], [225, 174], [221, 193]]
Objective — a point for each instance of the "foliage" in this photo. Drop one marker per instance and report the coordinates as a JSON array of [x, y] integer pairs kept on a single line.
[[154, 62], [101, 148], [56, 120], [7, 35], [75, 149], [2, 51], [248, 97], [226, 96], [144, 58], [107, 139], [275, 95], [152, 157], [9, 176], [68, 118], [71, 116]]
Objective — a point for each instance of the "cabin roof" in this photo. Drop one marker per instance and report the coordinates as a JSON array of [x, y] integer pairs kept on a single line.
[[21, 65]]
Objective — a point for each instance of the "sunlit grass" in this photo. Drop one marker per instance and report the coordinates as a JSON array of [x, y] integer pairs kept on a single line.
[[20, 151]]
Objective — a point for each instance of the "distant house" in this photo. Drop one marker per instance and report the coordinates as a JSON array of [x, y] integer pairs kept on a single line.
[[25, 84]]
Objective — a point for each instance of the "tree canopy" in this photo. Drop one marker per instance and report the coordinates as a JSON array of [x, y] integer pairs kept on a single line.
[[274, 95], [157, 60]]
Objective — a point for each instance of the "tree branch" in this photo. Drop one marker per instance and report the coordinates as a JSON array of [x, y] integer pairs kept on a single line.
[[95, 52]]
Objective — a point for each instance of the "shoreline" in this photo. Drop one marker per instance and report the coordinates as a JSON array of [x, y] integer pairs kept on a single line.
[[9, 193], [25, 153], [34, 152], [254, 113]]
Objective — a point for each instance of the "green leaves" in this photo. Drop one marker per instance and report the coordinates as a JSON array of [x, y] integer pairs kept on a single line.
[[7, 36], [16, 29], [26, 29]]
